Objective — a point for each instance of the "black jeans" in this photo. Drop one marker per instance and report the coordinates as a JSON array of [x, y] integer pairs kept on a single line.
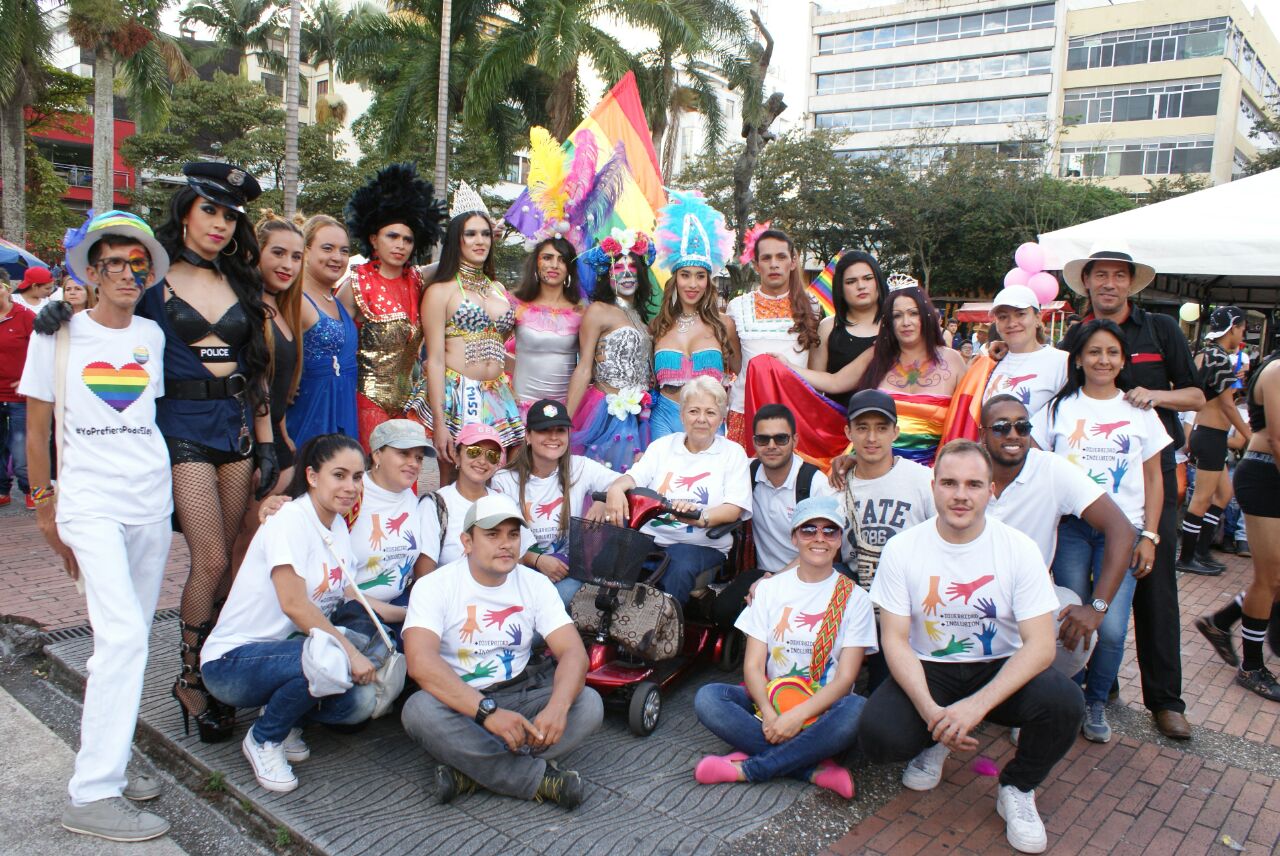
[[1048, 709], [1157, 625]]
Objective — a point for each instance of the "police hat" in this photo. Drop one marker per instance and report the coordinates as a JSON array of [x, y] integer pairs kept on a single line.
[[222, 183]]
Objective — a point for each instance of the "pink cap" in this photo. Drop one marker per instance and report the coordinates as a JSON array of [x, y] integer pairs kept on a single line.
[[478, 432]]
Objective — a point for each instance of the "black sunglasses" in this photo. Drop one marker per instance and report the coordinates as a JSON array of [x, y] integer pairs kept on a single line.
[[775, 439], [810, 530], [1002, 427]]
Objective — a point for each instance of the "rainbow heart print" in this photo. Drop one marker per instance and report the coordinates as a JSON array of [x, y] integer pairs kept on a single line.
[[118, 387]]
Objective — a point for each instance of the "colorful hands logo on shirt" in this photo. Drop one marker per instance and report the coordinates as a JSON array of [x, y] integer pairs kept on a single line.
[[117, 387]]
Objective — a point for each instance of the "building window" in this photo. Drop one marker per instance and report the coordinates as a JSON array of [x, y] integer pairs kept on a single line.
[[938, 30], [951, 114], [1178, 99], [517, 170], [1143, 157], [1187, 40], [1242, 54], [931, 73], [322, 89], [274, 84], [919, 158]]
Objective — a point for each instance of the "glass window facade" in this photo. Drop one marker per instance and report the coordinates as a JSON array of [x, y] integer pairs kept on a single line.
[[1016, 20], [1022, 64], [1175, 99], [922, 157], [1028, 109], [1186, 40], [1141, 157]]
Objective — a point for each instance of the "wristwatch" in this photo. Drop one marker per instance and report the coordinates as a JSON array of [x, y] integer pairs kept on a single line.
[[1099, 605], [1154, 538], [487, 707]]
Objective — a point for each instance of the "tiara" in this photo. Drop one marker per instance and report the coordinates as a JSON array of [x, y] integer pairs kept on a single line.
[[899, 281]]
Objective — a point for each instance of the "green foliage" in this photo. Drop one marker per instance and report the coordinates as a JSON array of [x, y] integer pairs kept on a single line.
[[48, 217], [216, 783], [283, 838], [65, 96], [1164, 188]]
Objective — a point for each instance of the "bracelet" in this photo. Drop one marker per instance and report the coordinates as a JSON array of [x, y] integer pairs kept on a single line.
[[42, 495], [536, 566]]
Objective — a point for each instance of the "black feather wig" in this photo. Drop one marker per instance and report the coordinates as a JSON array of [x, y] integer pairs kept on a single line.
[[397, 195]]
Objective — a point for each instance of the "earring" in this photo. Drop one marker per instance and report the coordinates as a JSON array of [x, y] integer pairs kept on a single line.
[[675, 299], [233, 249]]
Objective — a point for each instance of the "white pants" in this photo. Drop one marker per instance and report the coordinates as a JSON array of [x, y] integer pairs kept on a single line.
[[123, 569]]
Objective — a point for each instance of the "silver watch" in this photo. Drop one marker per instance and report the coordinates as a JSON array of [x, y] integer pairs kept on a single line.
[[1099, 605]]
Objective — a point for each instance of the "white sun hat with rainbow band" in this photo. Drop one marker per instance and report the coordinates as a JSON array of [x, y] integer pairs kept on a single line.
[[113, 223]]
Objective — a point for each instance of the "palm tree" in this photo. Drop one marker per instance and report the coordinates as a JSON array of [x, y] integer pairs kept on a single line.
[[442, 104], [322, 28], [241, 27], [291, 84], [23, 51]]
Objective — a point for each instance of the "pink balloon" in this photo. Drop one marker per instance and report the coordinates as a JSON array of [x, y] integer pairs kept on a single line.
[[1030, 257], [1045, 286], [1017, 276]]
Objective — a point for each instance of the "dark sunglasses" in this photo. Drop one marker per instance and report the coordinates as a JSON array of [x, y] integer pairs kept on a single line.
[[809, 530], [775, 439], [1002, 427], [490, 455]]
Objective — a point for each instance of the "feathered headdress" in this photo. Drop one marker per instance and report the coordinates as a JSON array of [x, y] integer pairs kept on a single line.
[[595, 262], [692, 234], [574, 200], [749, 241], [396, 195]]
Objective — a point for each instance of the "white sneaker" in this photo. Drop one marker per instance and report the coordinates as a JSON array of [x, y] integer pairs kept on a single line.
[[295, 750], [270, 766], [1023, 826], [1014, 735], [925, 770]]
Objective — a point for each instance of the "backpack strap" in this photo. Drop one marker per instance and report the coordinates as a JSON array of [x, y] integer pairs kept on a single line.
[[755, 469], [442, 512], [804, 480]]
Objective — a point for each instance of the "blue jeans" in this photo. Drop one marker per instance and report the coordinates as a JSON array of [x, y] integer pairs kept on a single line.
[[726, 710], [688, 561], [1076, 565], [269, 675], [13, 444]]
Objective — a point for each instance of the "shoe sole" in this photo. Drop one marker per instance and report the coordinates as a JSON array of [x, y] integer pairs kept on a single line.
[[275, 787], [1038, 847], [1256, 692], [142, 798], [1095, 738], [1222, 647], [297, 757], [921, 787], [1200, 572], [119, 838]]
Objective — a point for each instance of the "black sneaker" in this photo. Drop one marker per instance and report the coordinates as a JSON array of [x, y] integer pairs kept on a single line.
[[1219, 639], [451, 783], [1242, 548], [1259, 681], [1195, 566], [1273, 630], [563, 787], [1206, 559]]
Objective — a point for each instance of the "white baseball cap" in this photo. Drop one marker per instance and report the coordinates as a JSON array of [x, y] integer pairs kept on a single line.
[[1016, 297]]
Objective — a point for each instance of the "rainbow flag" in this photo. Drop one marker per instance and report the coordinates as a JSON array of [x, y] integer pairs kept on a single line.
[[822, 284]]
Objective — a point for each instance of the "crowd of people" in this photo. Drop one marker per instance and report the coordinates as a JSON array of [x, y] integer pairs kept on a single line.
[[984, 528]]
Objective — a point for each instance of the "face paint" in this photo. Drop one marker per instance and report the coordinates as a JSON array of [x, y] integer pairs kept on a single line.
[[139, 266], [624, 276]]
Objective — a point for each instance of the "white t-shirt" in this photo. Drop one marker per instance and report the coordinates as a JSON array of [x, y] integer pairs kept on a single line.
[[964, 600], [485, 632], [773, 507], [881, 508], [759, 335], [1108, 441], [719, 474], [544, 501], [387, 539], [1033, 378], [114, 460], [457, 505], [293, 536], [1045, 490]]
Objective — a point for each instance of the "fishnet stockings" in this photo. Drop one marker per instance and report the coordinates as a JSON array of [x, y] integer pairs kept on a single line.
[[210, 502]]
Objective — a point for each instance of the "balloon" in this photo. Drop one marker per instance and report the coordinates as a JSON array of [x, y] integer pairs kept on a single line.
[[1030, 257], [1189, 312], [1045, 286], [1017, 276]]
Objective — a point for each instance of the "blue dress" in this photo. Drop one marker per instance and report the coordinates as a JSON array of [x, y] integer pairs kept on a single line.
[[326, 399]]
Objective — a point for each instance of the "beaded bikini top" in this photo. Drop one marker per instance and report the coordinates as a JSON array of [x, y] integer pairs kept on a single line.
[[485, 337]]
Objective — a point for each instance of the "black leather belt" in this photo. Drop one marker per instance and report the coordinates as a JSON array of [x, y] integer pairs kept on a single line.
[[202, 390]]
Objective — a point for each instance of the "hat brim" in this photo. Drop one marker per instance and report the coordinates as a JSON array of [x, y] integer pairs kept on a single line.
[[553, 422], [812, 517], [78, 256], [892, 417], [216, 194], [494, 520], [1072, 274]]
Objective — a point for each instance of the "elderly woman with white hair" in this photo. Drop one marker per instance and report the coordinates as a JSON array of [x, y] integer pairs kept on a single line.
[[699, 471]]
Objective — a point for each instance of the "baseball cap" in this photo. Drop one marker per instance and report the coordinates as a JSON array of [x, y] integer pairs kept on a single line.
[[399, 434], [548, 413], [1222, 319], [1017, 297], [819, 508], [873, 401], [35, 276], [478, 432], [488, 511]]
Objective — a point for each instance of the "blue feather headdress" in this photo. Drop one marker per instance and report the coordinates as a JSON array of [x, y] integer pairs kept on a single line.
[[692, 234], [595, 262]]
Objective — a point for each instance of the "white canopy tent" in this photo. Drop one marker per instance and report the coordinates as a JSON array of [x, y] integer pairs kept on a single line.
[[1217, 245]]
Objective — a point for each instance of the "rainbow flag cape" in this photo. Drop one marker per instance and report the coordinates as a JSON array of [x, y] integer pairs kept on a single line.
[[964, 415], [820, 288], [820, 423]]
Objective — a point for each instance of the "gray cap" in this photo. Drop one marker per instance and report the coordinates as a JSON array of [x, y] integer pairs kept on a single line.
[[488, 511], [399, 434]]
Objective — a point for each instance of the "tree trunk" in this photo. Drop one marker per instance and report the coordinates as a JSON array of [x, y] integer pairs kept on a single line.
[[13, 170], [291, 110], [103, 130], [659, 125], [561, 102], [672, 132], [442, 103]]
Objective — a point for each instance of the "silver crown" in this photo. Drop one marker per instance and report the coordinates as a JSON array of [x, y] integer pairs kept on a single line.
[[899, 281]]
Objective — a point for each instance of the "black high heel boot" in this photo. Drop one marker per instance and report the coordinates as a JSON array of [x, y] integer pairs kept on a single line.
[[216, 721]]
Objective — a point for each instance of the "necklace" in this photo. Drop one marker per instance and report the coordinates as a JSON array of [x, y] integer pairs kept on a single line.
[[632, 314], [473, 279], [684, 323]]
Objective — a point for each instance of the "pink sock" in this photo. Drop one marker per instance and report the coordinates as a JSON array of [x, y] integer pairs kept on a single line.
[[715, 770], [834, 778]]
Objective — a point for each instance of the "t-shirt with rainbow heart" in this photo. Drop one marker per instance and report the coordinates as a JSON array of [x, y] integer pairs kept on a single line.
[[964, 600], [114, 462], [485, 631]]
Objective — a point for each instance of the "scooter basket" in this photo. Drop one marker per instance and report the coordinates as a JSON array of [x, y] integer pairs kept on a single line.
[[605, 554]]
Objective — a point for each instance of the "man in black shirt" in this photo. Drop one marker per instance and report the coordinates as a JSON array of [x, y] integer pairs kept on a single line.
[[1164, 375]]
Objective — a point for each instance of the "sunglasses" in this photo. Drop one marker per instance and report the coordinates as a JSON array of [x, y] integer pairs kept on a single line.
[[1004, 426], [491, 455], [136, 264], [775, 439], [810, 530]]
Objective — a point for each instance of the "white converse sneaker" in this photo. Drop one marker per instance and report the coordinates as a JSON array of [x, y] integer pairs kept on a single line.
[[294, 748], [925, 770], [270, 766], [1023, 826]]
